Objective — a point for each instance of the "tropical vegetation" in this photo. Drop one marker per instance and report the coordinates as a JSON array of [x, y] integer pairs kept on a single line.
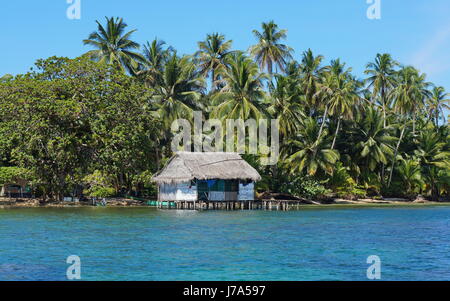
[[102, 121]]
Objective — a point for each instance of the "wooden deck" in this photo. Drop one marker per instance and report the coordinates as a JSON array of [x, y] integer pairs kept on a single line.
[[231, 205]]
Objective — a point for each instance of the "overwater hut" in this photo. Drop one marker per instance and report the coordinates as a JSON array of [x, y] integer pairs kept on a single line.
[[206, 177]]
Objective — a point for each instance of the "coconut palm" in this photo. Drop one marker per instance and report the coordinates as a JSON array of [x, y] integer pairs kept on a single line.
[[270, 52], [409, 174], [311, 72], [309, 153], [401, 125], [434, 155], [375, 144], [437, 103], [339, 93], [381, 79], [5, 78], [437, 181], [212, 54], [241, 95], [114, 45], [285, 103], [156, 55], [410, 93], [181, 87], [431, 150]]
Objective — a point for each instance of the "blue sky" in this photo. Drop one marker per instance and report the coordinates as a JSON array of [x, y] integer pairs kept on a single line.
[[414, 32]]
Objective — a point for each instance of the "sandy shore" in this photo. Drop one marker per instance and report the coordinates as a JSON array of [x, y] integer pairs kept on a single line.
[[38, 203], [6, 203]]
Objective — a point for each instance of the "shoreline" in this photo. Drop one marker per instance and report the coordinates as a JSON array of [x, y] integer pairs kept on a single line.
[[129, 203]]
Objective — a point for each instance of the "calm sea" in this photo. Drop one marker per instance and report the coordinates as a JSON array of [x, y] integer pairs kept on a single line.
[[149, 244]]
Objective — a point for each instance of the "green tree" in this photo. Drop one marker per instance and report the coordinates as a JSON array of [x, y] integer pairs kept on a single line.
[[339, 93], [285, 104], [410, 93], [434, 155], [311, 76], [155, 56], [241, 95], [180, 90], [51, 140], [410, 175], [6, 78], [436, 103], [73, 116], [307, 153], [114, 45], [374, 143], [269, 52], [381, 79], [211, 56]]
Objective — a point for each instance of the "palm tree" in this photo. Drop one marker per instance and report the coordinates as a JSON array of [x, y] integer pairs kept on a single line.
[[309, 153], [285, 104], [339, 95], [437, 103], [311, 72], [381, 79], [402, 125], [212, 54], [5, 78], [156, 56], [114, 45], [410, 176], [431, 150], [433, 154], [241, 94], [269, 51], [375, 141], [410, 93], [181, 88]]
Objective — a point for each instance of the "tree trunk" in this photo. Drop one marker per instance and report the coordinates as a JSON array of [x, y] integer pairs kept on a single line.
[[336, 133], [384, 106], [157, 158], [323, 122], [395, 155], [437, 118]]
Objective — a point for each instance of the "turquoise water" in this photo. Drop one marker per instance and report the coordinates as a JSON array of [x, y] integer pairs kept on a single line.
[[148, 244]]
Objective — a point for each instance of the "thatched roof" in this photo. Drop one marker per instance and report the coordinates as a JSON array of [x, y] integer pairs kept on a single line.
[[187, 166]]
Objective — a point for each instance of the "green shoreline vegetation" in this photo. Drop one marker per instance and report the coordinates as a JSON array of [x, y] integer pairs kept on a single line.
[[343, 205], [100, 123]]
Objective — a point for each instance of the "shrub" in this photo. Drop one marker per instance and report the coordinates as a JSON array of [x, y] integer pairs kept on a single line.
[[344, 185], [101, 192], [11, 174], [304, 187]]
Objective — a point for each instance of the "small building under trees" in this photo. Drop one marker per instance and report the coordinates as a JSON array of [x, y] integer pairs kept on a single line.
[[14, 183], [207, 177]]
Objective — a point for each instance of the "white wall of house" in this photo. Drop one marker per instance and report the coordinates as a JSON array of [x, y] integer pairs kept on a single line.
[[217, 196], [186, 192], [177, 192], [246, 192]]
